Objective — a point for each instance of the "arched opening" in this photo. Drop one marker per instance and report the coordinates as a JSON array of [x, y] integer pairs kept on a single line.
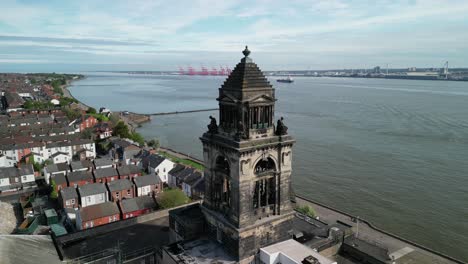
[[222, 165], [265, 165], [264, 193], [222, 190]]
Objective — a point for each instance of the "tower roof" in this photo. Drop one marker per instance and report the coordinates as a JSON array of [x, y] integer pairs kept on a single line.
[[246, 75]]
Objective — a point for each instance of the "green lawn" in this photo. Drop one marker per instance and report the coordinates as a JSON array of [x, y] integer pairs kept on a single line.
[[187, 162]]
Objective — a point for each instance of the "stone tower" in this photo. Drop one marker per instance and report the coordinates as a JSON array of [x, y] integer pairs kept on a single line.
[[247, 166]]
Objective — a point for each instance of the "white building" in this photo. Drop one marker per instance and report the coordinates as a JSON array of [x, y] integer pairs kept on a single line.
[[42, 152], [6, 161], [55, 101], [60, 157], [291, 252], [26, 174], [160, 166], [92, 194]]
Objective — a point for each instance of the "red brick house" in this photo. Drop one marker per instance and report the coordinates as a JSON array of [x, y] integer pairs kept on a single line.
[[148, 185], [68, 198], [120, 189], [136, 206], [86, 121], [97, 215], [79, 178], [106, 175], [129, 171]]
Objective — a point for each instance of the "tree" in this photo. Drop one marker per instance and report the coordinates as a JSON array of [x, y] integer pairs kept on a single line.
[[71, 114], [87, 133], [121, 130], [37, 166], [114, 118], [137, 137], [306, 210], [53, 193], [154, 143], [91, 110], [172, 198]]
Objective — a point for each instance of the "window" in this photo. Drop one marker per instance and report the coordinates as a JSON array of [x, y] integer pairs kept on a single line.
[[89, 199], [67, 202], [129, 192], [72, 201]]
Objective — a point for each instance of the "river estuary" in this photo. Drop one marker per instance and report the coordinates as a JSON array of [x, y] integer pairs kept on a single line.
[[392, 151]]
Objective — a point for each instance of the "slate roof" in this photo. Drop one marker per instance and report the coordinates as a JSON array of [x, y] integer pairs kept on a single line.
[[105, 172], [68, 193], [58, 167], [81, 164], [128, 169], [102, 162], [184, 173], [200, 186], [119, 185], [178, 168], [79, 176], [150, 179], [99, 210], [246, 75], [59, 178], [63, 166], [154, 160], [137, 203], [9, 172], [192, 178], [58, 153], [91, 189], [26, 169]]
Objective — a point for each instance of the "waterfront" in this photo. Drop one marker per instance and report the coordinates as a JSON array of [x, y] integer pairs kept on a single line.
[[391, 151]]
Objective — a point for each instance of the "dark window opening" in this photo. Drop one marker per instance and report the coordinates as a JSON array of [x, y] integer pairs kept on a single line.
[[264, 193], [222, 165], [265, 165]]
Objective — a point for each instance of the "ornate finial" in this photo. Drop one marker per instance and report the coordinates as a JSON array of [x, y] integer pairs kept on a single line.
[[246, 51]]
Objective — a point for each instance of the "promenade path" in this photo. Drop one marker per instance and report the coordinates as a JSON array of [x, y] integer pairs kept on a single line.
[[403, 252]]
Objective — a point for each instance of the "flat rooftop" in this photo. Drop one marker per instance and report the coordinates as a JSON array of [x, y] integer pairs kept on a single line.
[[290, 251], [203, 250]]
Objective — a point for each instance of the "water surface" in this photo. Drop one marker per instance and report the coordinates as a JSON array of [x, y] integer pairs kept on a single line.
[[391, 151]]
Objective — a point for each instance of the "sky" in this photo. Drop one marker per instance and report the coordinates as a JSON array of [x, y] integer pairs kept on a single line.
[[88, 35]]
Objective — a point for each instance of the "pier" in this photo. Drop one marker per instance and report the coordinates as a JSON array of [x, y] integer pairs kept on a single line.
[[183, 112]]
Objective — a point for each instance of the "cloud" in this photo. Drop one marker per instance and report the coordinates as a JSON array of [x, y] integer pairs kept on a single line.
[[128, 32]]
